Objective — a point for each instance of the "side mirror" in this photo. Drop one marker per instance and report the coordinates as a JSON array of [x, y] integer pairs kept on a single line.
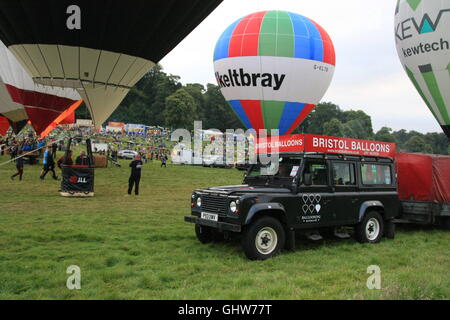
[[307, 179]]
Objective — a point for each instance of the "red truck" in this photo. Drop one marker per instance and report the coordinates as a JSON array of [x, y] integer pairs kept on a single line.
[[424, 188]]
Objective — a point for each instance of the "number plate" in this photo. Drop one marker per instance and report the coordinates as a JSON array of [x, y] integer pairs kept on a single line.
[[210, 216]]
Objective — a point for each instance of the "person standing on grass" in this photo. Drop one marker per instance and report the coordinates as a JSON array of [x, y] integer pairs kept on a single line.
[[135, 177], [54, 149], [49, 165], [19, 167], [163, 161], [44, 160]]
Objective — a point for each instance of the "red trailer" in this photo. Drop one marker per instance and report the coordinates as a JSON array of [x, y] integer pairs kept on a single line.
[[424, 188]]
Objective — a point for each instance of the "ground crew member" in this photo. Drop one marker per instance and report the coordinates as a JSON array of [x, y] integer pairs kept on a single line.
[[135, 177]]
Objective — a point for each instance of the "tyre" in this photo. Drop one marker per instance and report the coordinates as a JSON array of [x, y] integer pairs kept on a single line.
[[263, 239], [204, 234], [446, 223], [389, 229], [370, 229]]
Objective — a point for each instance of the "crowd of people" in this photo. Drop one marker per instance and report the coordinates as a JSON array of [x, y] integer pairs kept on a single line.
[[27, 149]]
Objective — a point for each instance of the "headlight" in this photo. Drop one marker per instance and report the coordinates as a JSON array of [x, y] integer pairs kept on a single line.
[[233, 207], [199, 202]]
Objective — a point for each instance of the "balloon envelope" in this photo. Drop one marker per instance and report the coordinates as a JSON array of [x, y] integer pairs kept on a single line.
[[422, 34], [4, 126], [21, 98], [273, 67], [101, 48]]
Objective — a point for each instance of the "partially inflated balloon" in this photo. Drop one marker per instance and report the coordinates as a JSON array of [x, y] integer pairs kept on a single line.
[[273, 67], [422, 33], [21, 98], [101, 48], [4, 126]]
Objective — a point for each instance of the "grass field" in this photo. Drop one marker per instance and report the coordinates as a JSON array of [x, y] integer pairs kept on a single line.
[[140, 248]]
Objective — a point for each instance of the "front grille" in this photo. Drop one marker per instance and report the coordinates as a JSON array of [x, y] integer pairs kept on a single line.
[[215, 204]]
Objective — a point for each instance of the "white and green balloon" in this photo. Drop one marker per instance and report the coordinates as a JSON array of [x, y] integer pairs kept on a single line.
[[422, 34]]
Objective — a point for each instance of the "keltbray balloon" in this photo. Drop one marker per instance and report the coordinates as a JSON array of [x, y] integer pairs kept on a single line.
[[101, 48], [422, 34], [273, 67], [21, 98]]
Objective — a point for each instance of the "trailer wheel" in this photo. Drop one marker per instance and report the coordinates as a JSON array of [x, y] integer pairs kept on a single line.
[[389, 229], [446, 223], [370, 229], [263, 239]]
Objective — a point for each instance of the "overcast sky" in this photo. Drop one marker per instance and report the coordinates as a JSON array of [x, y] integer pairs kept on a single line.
[[368, 74]]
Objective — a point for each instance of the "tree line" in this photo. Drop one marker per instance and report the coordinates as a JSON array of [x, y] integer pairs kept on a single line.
[[159, 99]]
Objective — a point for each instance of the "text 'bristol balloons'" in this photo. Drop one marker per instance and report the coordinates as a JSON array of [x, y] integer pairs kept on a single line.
[[273, 67], [100, 48], [422, 34], [21, 98]]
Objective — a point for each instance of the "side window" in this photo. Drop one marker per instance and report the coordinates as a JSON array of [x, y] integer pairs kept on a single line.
[[344, 174], [319, 173], [376, 174]]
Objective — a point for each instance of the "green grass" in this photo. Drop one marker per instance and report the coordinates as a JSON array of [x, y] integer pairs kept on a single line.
[[140, 247]]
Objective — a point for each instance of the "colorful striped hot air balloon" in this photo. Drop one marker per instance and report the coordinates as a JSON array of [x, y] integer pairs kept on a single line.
[[422, 34], [273, 67]]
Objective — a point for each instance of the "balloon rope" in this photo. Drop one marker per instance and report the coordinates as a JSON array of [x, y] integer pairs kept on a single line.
[[23, 155]]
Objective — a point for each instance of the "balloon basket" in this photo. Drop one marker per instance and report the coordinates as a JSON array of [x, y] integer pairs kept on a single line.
[[77, 182], [71, 194]]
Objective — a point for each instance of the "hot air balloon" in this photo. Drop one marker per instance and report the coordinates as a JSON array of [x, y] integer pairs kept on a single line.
[[4, 126], [423, 45], [100, 48], [273, 67], [21, 98]]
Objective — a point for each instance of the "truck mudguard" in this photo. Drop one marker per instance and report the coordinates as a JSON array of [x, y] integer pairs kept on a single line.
[[366, 205], [263, 207]]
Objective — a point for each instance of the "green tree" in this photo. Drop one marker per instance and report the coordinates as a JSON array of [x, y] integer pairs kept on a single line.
[[333, 128], [218, 113], [385, 135], [438, 141], [359, 122], [417, 144], [180, 111], [323, 113], [197, 92]]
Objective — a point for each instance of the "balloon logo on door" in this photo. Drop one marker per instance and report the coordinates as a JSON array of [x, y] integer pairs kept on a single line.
[[311, 203]]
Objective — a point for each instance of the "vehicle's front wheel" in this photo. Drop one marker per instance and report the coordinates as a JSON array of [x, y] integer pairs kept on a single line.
[[370, 229], [263, 239], [204, 234]]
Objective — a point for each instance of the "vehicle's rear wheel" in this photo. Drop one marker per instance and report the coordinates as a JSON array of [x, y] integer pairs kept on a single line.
[[370, 229], [204, 234], [263, 239]]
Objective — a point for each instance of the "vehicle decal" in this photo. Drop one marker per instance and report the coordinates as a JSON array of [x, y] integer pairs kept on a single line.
[[311, 207]]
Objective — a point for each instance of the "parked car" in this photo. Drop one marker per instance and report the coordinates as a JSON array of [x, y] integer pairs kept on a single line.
[[127, 154], [216, 161]]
